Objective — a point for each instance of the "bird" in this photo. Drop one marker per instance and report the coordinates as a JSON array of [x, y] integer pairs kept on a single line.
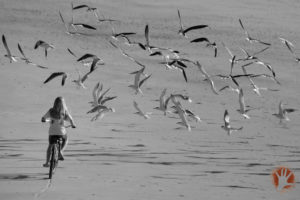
[[67, 26], [140, 112], [8, 55], [257, 89], [181, 112], [242, 109], [27, 61], [227, 126], [289, 45], [44, 45], [253, 56], [147, 45], [88, 9], [99, 97], [126, 54], [101, 111], [115, 35], [137, 80], [282, 113], [208, 44], [208, 78], [183, 31], [230, 88], [80, 81], [84, 26], [95, 59], [162, 102], [56, 74], [192, 115], [251, 39], [267, 65]]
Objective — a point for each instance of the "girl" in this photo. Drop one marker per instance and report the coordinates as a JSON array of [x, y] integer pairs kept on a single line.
[[57, 115]]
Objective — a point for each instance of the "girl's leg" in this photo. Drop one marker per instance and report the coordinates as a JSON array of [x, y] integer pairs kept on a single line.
[[63, 146], [64, 143]]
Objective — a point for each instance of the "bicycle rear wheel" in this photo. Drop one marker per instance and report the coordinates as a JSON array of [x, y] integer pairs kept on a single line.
[[52, 162]]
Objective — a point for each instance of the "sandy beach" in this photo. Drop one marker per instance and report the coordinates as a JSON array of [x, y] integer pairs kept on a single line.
[[123, 155]]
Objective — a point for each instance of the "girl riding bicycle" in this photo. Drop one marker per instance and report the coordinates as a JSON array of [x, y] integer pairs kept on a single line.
[[57, 115]]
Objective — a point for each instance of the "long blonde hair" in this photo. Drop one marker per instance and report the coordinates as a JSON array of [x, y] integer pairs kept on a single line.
[[59, 109]]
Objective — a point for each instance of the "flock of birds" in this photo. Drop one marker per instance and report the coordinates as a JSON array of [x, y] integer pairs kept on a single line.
[[171, 59]]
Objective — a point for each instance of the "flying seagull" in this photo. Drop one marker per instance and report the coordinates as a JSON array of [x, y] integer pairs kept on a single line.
[[27, 61], [140, 112], [8, 55], [181, 112], [138, 82], [227, 126], [282, 113], [56, 74], [242, 109], [101, 111], [208, 78], [251, 39], [44, 45], [289, 45], [208, 43], [183, 31]]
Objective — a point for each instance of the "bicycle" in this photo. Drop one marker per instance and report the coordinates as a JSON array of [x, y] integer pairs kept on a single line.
[[54, 155]]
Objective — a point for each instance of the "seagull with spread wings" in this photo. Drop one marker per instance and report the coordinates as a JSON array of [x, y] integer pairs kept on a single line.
[[146, 115], [282, 113], [57, 74], [208, 43], [45, 45], [27, 61], [227, 127], [8, 55], [251, 39], [208, 78], [183, 31], [137, 80]]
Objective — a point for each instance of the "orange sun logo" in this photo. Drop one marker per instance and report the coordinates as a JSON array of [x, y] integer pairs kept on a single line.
[[283, 179]]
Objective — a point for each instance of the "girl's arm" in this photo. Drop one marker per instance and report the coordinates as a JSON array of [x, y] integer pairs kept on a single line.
[[70, 119]]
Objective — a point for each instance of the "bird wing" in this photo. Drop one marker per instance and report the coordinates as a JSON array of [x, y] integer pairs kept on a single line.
[[202, 39], [94, 93], [137, 107], [85, 26], [212, 85], [80, 6], [62, 19], [86, 56], [124, 34], [39, 43], [194, 27], [71, 52], [142, 81], [21, 51], [180, 22], [53, 75], [108, 99], [100, 98], [147, 34], [63, 80], [93, 65], [183, 73], [5, 45]]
